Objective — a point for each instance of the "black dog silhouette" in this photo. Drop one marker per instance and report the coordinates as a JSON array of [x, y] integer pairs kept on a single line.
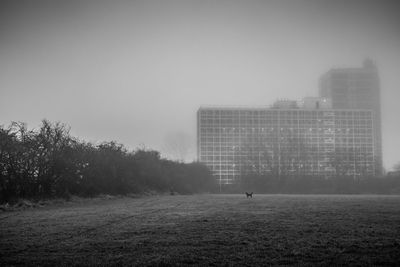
[[249, 195]]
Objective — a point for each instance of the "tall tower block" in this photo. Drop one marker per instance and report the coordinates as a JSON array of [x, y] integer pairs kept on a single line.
[[356, 88]]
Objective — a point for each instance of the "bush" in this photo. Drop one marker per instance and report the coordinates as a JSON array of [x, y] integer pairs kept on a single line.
[[49, 163]]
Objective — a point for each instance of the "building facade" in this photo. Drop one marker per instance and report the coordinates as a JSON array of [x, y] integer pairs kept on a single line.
[[311, 140], [356, 88]]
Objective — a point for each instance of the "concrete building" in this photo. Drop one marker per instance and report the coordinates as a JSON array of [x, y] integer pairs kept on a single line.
[[335, 134], [283, 141], [315, 102], [356, 88]]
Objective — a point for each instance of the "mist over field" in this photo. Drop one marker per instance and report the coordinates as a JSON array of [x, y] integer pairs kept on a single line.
[[176, 132]]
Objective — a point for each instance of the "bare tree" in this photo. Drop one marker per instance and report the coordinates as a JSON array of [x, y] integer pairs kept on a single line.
[[397, 167]]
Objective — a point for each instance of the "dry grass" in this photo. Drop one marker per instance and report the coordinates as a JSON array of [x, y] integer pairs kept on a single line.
[[206, 230]]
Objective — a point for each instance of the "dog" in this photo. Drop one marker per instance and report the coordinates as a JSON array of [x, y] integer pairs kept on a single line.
[[249, 195]]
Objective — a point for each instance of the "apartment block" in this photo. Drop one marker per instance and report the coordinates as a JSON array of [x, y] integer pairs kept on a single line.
[[281, 141]]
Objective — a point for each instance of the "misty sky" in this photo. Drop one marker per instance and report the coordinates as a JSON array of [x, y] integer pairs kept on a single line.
[[137, 71]]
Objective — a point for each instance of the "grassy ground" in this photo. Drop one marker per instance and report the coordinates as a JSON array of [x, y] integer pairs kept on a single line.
[[206, 230]]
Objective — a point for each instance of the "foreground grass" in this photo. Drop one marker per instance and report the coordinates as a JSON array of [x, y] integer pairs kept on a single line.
[[206, 230]]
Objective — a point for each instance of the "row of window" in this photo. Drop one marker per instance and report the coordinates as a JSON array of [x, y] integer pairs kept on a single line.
[[274, 112], [297, 147], [276, 123], [227, 130], [235, 141]]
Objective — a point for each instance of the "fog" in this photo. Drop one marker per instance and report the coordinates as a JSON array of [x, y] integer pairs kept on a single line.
[[137, 71]]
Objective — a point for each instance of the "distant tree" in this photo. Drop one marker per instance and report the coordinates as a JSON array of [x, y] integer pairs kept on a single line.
[[178, 146], [342, 161], [396, 167], [278, 156], [254, 156]]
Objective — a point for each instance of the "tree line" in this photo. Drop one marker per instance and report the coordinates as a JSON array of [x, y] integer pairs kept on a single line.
[[272, 184], [281, 165], [49, 162]]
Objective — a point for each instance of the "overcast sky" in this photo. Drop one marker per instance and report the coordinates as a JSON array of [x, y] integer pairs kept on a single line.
[[137, 71]]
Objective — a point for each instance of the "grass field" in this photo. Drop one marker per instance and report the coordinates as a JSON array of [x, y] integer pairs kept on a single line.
[[206, 230]]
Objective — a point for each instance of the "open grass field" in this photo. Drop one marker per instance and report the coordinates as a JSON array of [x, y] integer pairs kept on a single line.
[[206, 230]]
